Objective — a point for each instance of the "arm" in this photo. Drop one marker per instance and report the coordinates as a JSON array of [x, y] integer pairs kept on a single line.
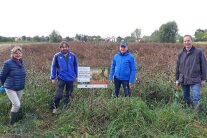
[[76, 66], [177, 69], [203, 65], [4, 73], [53, 69], [133, 70], [112, 70]]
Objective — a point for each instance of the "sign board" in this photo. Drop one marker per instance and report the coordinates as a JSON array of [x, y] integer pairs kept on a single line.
[[84, 74], [90, 77]]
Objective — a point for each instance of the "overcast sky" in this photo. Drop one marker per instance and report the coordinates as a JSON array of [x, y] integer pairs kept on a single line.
[[99, 17]]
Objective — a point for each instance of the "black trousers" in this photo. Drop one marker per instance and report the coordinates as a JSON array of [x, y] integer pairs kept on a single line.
[[60, 86]]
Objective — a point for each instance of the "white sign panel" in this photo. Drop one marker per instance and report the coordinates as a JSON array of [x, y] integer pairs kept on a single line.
[[84, 74]]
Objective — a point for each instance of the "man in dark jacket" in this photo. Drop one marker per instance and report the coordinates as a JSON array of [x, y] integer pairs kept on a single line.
[[191, 72], [123, 70], [65, 69]]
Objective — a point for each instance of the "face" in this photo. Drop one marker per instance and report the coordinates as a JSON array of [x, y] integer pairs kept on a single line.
[[187, 42], [17, 55], [64, 49], [123, 49]]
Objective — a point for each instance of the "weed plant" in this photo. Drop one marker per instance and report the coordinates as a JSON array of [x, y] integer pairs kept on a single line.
[[95, 113]]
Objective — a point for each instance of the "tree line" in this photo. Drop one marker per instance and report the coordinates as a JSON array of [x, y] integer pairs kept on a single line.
[[167, 33]]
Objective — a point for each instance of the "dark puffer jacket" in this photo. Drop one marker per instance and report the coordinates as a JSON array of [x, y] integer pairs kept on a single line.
[[13, 75]]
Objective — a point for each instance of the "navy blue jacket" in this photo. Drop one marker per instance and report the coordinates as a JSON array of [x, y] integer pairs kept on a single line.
[[13, 74], [123, 67], [67, 68]]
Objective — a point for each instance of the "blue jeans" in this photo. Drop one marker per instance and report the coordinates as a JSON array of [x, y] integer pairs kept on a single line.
[[61, 84], [117, 85], [195, 93]]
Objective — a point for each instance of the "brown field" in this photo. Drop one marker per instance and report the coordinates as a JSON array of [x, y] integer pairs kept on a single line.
[[152, 58]]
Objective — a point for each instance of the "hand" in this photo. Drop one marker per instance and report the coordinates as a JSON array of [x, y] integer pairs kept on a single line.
[[53, 82], [177, 86]]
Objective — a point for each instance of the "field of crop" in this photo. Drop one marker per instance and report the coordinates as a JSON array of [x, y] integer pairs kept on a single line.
[[150, 112]]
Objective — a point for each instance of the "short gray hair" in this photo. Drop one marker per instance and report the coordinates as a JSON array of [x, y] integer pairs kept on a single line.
[[188, 36]]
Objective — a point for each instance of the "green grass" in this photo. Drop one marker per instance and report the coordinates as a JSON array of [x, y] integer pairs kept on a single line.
[[97, 114]]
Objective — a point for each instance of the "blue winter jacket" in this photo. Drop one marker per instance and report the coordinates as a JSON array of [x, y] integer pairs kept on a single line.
[[123, 67], [65, 68], [13, 74]]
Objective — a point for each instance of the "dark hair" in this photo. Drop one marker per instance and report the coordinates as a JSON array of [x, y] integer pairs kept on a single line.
[[62, 43], [188, 36]]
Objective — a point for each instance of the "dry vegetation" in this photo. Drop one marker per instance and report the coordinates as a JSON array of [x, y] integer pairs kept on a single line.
[[151, 58], [101, 115]]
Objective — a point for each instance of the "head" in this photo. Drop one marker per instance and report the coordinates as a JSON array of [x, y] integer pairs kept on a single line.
[[64, 47], [188, 40], [16, 52], [123, 47]]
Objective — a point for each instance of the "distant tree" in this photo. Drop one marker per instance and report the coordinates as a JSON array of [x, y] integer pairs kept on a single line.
[[130, 39], [155, 36], [44, 38], [180, 39], [145, 39], [78, 37], [7, 39], [85, 38], [136, 34], [55, 37], [23, 38], [28, 38], [36, 38], [119, 38], [168, 32], [68, 38], [200, 35]]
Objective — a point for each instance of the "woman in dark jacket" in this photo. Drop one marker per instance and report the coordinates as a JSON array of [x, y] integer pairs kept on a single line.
[[13, 76]]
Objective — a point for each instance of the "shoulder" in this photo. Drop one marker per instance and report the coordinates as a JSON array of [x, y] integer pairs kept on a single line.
[[117, 54], [129, 54], [57, 54], [71, 53], [8, 61], [199, 51], [180, 52]]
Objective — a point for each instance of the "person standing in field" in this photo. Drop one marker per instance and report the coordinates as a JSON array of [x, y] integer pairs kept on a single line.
[[191, 71], [64, 69], [13, 76], [123, 70]]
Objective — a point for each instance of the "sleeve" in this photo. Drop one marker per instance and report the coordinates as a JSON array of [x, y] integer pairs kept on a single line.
[[4, 72], [76, 65], [177, 68], [53, 69], [133, 70], [112, 69], [203, 66]]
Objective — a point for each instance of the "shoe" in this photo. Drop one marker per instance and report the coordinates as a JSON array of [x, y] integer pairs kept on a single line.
[[54, 111], [13, 119]]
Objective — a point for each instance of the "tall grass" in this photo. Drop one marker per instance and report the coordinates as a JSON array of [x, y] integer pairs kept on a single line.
[[95, 113]]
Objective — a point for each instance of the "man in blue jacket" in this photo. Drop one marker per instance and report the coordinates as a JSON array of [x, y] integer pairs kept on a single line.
[[65, 69], [123, 70]]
